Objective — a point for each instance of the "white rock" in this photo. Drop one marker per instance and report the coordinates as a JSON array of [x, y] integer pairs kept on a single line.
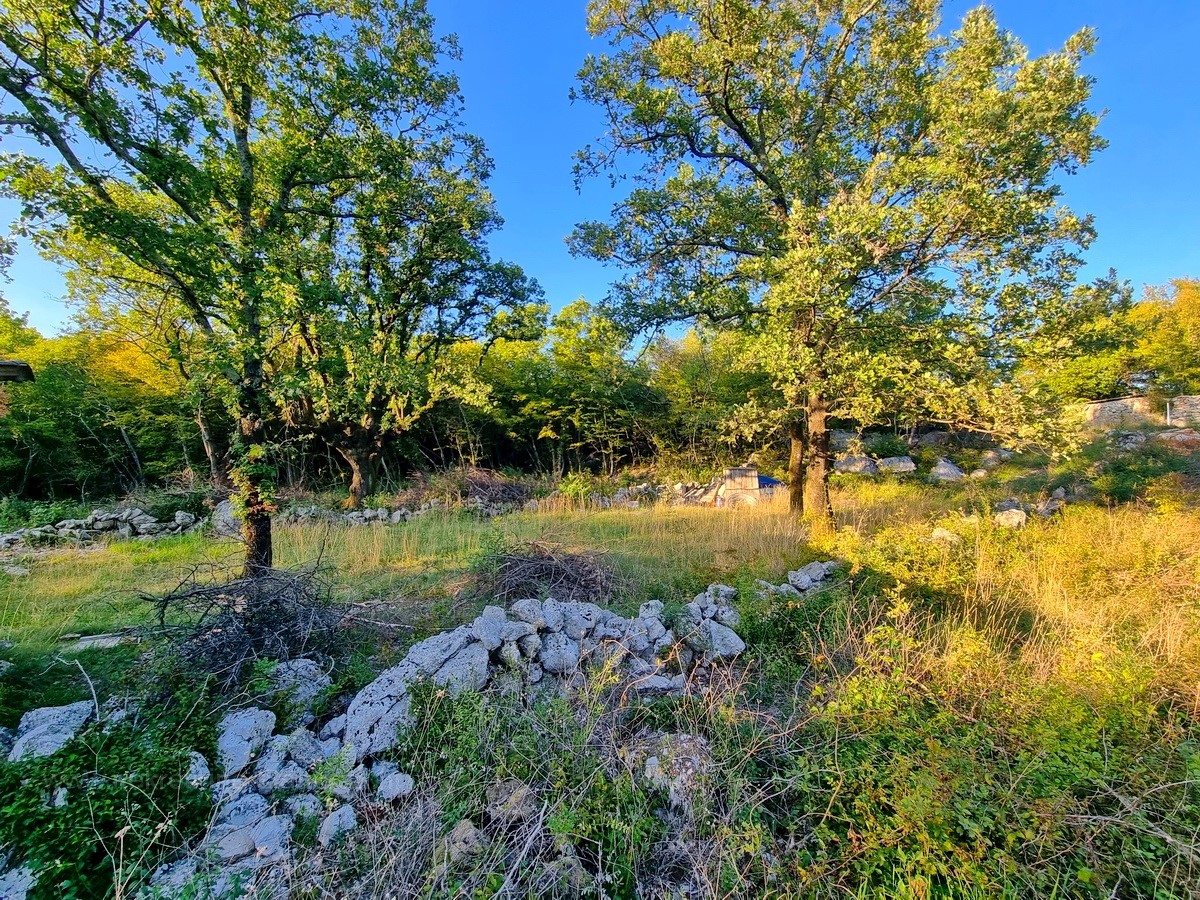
[[335, 727], [224, 522], [529, 611], [431, 654], [16, 571], [897, 465], [379, 709], [396, 786], [530, 645], [579, 619], [337, 823], [944, 470], [1011, 518], [488, 628], [799, 581], [723, 642], [44, 731], [17, 883], [552, 612], [307, 805], [466, 670], [559, 653], [198, 773], [272, 839], [240, 735]]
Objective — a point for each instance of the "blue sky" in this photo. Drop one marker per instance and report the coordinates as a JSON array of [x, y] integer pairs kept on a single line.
[[519, 63]]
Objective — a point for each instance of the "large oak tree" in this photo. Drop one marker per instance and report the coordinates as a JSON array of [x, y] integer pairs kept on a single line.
[[200, 140], [875, 200]]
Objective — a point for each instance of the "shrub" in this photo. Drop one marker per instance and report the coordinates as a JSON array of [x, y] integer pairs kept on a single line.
[[127, 807]]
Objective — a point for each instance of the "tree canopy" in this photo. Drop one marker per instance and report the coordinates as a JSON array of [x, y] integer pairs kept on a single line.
[[876, 200]]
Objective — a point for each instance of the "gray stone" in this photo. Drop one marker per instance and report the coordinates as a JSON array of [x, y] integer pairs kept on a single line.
[[488, 628], [302, 682], [856, 465], [1011, 518], [184, 519], [529, 611], [993, 458], [306, 805], [897, 465], [552, 612], [226, 791], [535, 673], [16, 571], [510, 655], [1048, 508], [510, 801], [726, 615], [559, 653], [466, 670], [44, 731], [431, 654], [579, 619], [723, 642], [530, 645], [7, 738], [198, 773], [224, 522], [1010, 503], [272, 839], [305, 749], [394, 787], [240, 735], [335, 727], [514, 631], [379, 709], [799, 581], [944, 470], [337, 823], [382, 768], [16, 884]]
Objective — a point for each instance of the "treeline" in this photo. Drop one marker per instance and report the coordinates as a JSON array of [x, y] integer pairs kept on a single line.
[[105, 417]]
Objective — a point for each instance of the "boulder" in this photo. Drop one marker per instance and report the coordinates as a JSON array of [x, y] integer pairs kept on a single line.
[[466, 670], [301, 682], [224, 522], [529, 611], [1011, 518], [337, 823], [184, 519], [944, 470], [856, 465], [723, 642], [379, 709], [198, 773], [240, 735], [1185, 439], [559, 653], [44, 731], [395, 787], [897, 465], [432, 653], [16, 884], [993, 458]]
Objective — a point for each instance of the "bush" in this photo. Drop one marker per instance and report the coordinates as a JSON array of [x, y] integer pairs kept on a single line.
[[16, 512], [127, 807]]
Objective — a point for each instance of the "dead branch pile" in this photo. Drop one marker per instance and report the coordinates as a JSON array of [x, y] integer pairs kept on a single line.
[[493, 487], [542, 569], [224, 627]]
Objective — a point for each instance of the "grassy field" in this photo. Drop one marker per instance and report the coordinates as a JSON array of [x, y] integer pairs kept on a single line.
[[1012, 713]]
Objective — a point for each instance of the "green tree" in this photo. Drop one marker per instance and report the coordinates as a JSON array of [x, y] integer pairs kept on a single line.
[[194, 139], [876, 201], [1166, 356]]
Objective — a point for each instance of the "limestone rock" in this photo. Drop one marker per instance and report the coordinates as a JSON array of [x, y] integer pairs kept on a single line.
[[856, 465], [224, 522], [394, 787], [559, 653], [302, 682], [44, 731], [1010, 518], [897, 465], [529, 611], [379, 709], [510, 801], [432, 653], [488, 628], [944, 471], [945, 536], [337, 823], [240, 735], [198, 773], [466, 670], [306, 805]]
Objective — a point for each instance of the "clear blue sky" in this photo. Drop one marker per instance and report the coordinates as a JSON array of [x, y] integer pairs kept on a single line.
[[519, 63]]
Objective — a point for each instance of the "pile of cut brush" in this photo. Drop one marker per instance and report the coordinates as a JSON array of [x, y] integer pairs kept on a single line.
[[520, 569]]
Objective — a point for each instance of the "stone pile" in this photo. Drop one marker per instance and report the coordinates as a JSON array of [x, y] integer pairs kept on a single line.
[[480, 506], [807, 578], [268, 779], [127, 524]]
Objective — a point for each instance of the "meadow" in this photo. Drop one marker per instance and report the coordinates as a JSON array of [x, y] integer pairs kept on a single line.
[[1011, 713]]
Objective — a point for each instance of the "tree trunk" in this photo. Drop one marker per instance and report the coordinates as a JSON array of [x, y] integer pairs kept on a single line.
[[817, 508], [256, 529], [362, 472], [216, 469], [796, 468]]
